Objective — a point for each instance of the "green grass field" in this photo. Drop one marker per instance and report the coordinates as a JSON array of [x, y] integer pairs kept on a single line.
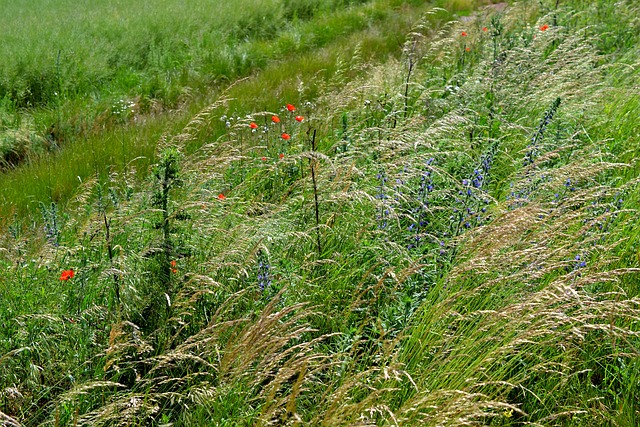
[[121, 111], [321, 212]]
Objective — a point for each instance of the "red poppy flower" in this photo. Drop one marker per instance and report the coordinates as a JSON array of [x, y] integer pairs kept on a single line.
[[221, 196], [264, 159], [286, 136], [281, 156], [67, 274], [275, 119], [291, 107], [544, 27], [299, 118], [468, 49], [485, 29], [463, 34], [253, 125], [173, 263]]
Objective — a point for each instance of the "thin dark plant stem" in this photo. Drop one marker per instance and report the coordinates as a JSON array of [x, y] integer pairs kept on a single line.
[[241, 159], [166, 226], [124, 161], [59, 92], [406, 84], [58, 118], [313, 163], [116, 281], [50, 182]]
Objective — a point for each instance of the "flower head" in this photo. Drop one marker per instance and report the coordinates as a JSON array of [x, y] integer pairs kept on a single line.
[[264, 159], [173, 264], [485, 29], [291, 107], [221, 196], [275, 119], [67, 274], [544, 27], [281, 155], [253, 125], [286, 136], [264, 275], [463, 34], [467, 49], [299, 118]]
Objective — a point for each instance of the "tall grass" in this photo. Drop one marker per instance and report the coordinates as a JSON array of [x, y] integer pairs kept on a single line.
[[85, 49], [120, 127], [477, 260]]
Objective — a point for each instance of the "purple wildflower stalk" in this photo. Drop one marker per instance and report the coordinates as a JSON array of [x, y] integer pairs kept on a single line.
[[264, 275], [532, 153], [472, 198], [521, 195], [421, 210], [51, 226], [383, 210]]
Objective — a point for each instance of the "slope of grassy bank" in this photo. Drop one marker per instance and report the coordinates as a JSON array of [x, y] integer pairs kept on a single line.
[[447, 237], [114, 128], [63, 50]]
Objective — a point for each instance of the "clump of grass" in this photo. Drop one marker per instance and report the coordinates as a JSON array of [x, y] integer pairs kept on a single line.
[[19, 138]]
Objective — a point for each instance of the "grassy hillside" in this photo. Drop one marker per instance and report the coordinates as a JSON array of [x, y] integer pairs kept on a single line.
[[440, 231], [62, 140], [59, 50]]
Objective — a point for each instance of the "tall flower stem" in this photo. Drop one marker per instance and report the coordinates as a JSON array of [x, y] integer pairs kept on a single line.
[[313, 163], [116, 281]]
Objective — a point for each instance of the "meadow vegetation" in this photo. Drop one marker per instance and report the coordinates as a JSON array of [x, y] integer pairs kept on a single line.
[[438, 231], [112, 120]]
